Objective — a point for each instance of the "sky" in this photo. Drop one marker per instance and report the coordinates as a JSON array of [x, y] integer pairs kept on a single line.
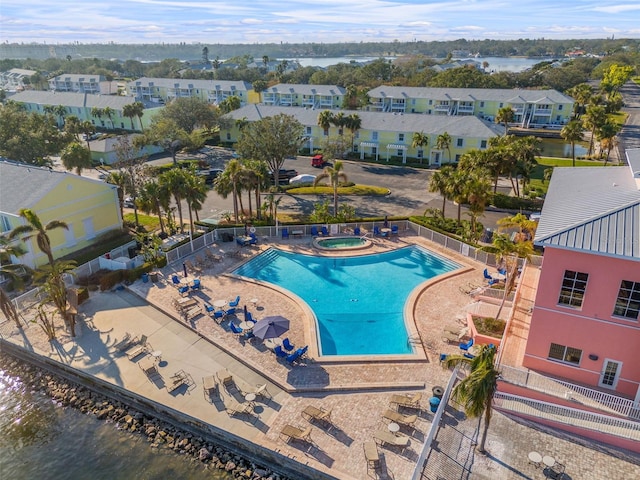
[[312, 21]]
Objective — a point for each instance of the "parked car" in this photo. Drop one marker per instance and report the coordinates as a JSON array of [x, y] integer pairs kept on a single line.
[[128, 202], [210, 175], [284, 175], [304, 178], [318, 161]]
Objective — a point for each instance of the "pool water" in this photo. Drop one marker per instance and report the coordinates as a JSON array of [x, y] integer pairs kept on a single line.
[[358, 301], [341, 242]]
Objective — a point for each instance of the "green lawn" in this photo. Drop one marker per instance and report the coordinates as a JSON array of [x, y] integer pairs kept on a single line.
[[537, 178], [150, 223]]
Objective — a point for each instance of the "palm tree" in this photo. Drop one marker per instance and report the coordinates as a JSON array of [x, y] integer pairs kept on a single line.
[[34, 228], [51, 277], [14, 273], [258, 179], [572, 132], [593, 119], [120, 180], [443, 142], [335, 175], [174, 182], [505, 116], [154, 199], [439, 183], [87, 129], [606, 136], [128, 111], [339, 121], [476, 391], [60, 111], [195, 194], [419, 140], [228, 182], [108, 112], [138, 109], [97, 112], [353, 123], [325, 118], [478, 192], [582, 94]]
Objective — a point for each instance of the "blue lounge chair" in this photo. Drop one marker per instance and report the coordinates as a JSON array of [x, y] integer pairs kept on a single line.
[[175, 279], [279, 352], [502, 271], [324, 231], [285, 233], [314, 231], [234, 303], [376, 230], [210, 309], [356, 231], [231, 311], [288, 346], [184, 291], [486, 274], [196, 284], [466, 346], [493, 281], [218, 316], [468, 355], [249, 318], [295, 356], [254, 239], [394, 229], [235, 329]]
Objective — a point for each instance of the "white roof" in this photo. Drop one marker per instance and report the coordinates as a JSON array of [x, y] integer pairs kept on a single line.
[[72, 99], [592, 209]]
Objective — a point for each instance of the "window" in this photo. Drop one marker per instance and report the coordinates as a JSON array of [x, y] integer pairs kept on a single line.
[[559, 107], [420, 153], [5, 225], [501, 104], [459, 142], [565, 354], [481, 104], [308, 132], [374, 136], [458, 157], [401, 137], [573, 286], [400, 152], [483, 144], [430, 102], [228, 136], [628, 301]]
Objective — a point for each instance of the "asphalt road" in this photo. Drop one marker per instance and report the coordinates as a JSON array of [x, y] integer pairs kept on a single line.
[[629, 137]]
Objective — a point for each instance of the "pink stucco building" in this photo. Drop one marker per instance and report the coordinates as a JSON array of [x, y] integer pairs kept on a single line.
[[585, 323]]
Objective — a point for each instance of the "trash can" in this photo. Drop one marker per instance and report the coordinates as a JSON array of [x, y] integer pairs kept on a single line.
[[437, 392], [433, 404], [154, 277], [145, 277]]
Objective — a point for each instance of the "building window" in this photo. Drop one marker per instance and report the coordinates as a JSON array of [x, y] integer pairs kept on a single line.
[[483, 144], [5, 225], [565, 354], [559, 107], [501, 104], [481, 104], [374, 136], [401, 137], [228, 136], [628, 301], [458, 157], [459, 142], [430, 102], [308, 131], [574, 285]]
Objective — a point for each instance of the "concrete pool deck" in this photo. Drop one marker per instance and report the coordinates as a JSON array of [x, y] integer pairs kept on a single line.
[[357, 393]]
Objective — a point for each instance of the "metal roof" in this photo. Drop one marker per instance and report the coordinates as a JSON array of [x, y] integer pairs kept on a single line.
[[72, 99], [212, 85], [592, 209], [479, 94], [22, 186], [467, 126], [302, 89]]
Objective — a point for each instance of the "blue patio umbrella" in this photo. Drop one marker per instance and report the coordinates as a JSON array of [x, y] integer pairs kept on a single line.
[[271, 327]]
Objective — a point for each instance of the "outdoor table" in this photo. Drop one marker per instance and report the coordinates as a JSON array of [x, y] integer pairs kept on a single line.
[[272, 343], [157, 355], [549, 461], [246, 325], [393, 427], [254, 302], [385, 232], [250, 397], [219, 303], [535, 457]]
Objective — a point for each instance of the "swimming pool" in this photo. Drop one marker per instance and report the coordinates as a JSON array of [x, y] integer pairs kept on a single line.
[[358, 301], [341, 243]]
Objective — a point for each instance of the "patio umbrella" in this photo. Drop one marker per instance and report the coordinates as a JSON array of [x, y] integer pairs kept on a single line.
[[184, 269], [271, 327]]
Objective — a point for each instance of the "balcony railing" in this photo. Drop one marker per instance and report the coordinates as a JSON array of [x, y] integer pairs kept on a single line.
[[586, 396], [574, 417]]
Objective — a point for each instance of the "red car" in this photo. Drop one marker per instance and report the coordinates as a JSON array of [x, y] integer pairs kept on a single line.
[[317, 161]]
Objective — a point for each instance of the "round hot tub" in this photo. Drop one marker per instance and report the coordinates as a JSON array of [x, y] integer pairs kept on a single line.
[[341, 243]]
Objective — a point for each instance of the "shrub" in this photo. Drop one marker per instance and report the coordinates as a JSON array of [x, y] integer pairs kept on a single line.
[[490, 326], [514, 203], [110, 279]]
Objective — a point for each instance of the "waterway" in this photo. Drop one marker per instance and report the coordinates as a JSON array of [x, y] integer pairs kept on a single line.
[[552, 147], [42, 440], [496, 64]]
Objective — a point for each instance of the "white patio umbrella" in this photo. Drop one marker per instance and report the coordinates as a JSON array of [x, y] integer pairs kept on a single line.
[[271, 327]]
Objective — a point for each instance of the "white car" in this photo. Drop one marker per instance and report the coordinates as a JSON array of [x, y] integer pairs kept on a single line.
[[304, 178]]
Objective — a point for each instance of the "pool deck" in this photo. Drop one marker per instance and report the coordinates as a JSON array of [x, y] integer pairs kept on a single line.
[[357, 393]]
